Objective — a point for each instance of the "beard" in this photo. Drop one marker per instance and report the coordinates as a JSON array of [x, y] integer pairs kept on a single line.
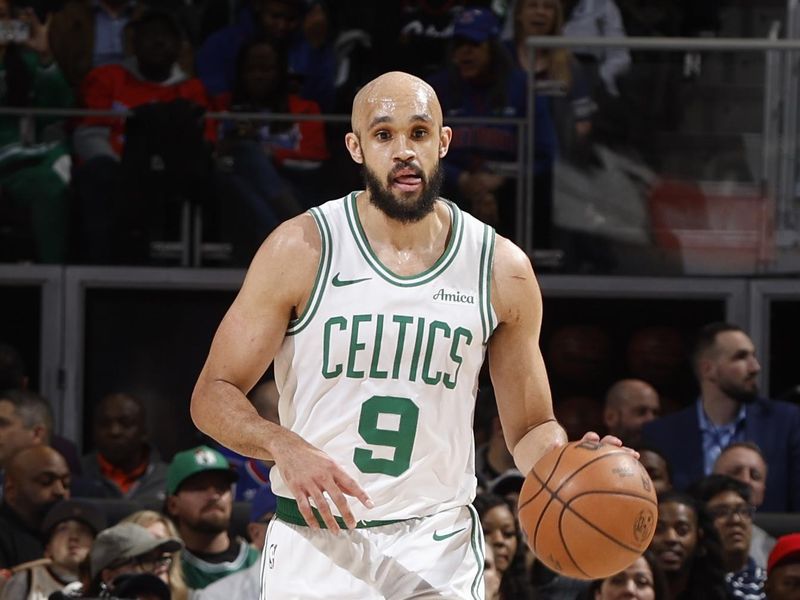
[[739, 392], [212, 523], [381, 196]]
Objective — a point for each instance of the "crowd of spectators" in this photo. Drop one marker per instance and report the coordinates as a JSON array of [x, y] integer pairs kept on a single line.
[[99, 189], [122, 522]]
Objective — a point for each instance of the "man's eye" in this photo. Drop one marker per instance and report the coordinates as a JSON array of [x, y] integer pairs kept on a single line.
[[382, 135], [419, 133]]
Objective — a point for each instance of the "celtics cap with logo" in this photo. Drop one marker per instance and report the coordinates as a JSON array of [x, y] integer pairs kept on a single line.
[[191, 462]]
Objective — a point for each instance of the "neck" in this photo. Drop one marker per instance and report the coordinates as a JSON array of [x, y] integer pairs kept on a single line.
[[720, 408], [677, 583], [405, 241], [128, 463], [155, 73], [206, 543], [26, 513]]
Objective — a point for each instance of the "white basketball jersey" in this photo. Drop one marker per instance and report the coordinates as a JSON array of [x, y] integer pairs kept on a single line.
[[381, 370]]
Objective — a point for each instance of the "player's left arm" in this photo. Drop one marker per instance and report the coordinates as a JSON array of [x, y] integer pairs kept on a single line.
[[516, 364]]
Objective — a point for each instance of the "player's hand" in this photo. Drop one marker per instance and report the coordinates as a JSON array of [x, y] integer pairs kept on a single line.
[[310, 475], [612, 440]]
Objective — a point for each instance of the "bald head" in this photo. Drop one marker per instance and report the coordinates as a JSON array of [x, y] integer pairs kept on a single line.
[[378, 98], [630, 403], [36, 478]]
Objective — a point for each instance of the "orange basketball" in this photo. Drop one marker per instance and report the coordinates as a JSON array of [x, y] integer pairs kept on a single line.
[[588, 509]]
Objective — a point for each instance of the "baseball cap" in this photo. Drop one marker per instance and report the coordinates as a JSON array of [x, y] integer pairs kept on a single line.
[[191, 462], [73, 510], [124, 542], [262, 503], [476, 24], [787, 547]]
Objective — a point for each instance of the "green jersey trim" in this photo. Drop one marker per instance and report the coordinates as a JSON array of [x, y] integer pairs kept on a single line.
[[288, 512], [450, 251], [477, 549], [323, 270], [485, 283]]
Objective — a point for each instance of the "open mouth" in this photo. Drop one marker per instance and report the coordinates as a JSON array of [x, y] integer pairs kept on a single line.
[[407, 180]]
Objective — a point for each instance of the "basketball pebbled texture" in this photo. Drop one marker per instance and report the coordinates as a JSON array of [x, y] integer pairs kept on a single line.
[[588, 510]]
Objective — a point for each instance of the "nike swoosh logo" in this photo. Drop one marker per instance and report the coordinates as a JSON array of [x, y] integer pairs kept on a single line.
[[343, 282], [437, 537]]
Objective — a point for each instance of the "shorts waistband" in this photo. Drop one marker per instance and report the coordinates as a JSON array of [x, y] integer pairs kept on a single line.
[[288, 512]]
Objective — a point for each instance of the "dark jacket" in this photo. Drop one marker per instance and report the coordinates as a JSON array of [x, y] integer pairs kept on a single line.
[[19, 543], [152, 485], [774, 426]]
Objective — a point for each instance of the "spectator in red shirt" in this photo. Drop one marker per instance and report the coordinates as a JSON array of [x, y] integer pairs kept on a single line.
[[152, 75]]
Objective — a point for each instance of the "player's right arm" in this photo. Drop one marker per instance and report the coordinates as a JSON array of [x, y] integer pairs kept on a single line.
[[276, 288]]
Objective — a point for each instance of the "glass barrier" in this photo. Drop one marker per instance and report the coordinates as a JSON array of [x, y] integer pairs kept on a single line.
[[682, 163]]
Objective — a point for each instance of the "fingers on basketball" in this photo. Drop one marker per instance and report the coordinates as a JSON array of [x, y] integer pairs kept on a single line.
[[588, 509]]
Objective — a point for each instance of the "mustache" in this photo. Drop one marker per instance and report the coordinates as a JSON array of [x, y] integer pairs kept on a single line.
[[415, 168]]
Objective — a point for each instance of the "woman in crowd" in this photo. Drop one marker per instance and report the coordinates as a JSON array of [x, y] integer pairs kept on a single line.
[[642, 580], [163, 528], [501, 532]]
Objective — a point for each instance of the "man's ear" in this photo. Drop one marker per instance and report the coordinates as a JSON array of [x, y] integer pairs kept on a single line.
[[353, 145], [40, 434], [444, 141], [610, 417], [170, 506]]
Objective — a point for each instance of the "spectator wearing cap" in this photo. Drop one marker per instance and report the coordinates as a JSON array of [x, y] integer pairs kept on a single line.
[[727, 501], [200, 501], [163, 528], [69, 529], [36, 478], [247, 583], [124, 465], [783, 569], [128, 548], [482, 81]]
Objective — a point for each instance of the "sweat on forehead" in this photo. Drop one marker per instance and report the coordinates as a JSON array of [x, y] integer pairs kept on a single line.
[[385, 92]]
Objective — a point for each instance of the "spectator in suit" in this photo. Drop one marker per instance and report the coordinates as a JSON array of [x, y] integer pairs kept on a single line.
[[744, 461], [200, 501], [630, 403], [36, 478], [688, 550], [727, 501], [783, 569], [729, 410], [125, 464], [69, 529]]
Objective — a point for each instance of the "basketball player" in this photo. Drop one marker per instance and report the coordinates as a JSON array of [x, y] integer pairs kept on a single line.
[[377, 309]]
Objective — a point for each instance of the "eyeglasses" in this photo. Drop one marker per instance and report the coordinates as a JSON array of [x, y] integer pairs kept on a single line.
[[147, 563], [152, 563], [743, 511]]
